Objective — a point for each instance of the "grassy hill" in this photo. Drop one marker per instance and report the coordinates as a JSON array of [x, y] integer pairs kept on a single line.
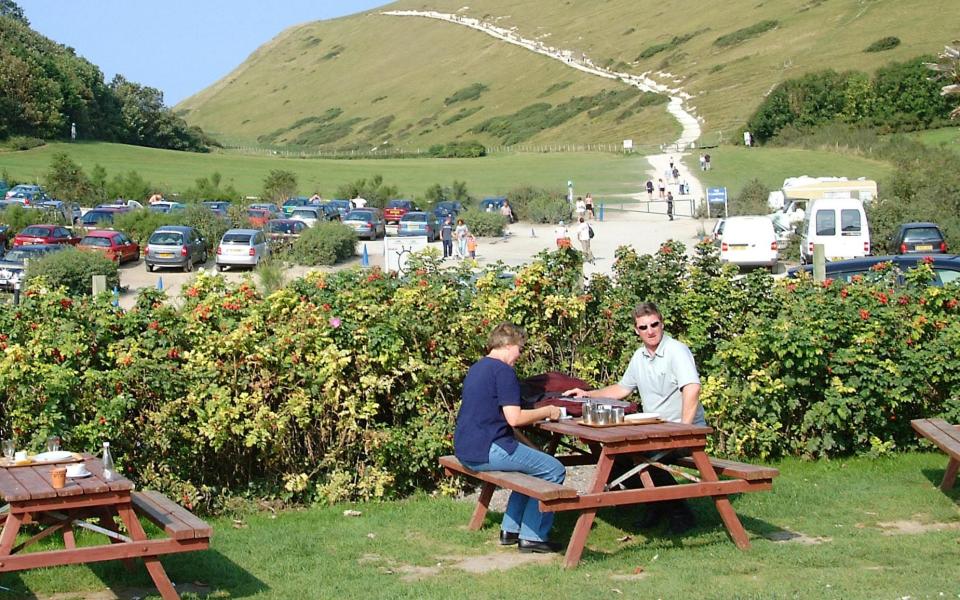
[[365, 79]]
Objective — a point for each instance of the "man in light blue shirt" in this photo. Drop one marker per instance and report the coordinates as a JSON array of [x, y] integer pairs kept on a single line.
[[664, 373]]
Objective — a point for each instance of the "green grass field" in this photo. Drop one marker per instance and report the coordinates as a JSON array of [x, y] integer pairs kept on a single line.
[[598, 173], [948, 137], [861, 528]]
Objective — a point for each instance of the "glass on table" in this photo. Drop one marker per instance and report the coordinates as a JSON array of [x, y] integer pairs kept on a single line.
[[53, 443], [9, 449]]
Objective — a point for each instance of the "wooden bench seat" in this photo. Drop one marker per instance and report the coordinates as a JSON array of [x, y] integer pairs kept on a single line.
[[528, 485], [947, 438], [733, 469], [178, 522]]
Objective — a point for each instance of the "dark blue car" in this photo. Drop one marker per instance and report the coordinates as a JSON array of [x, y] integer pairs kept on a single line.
[[946, 268]]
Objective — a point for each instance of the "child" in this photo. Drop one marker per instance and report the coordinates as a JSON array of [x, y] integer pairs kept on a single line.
[[472, 246]]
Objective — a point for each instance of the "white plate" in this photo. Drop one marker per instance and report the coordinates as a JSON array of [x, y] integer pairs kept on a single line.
[[641, 416], [52, 456], [79, 474]]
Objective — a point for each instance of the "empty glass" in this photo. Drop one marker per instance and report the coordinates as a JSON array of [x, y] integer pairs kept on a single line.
[[9, 449], [53, 443]]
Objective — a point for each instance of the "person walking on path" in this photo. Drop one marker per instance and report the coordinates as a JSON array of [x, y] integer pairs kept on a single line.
[[665, 374], [649, 189], [581, 207], [584, 233], [461, 234], [703, 162], [446, 237], [484, 437], [670, 205], [663, 189], [589, 202], [472, 246], [706, 161], [562, 235]]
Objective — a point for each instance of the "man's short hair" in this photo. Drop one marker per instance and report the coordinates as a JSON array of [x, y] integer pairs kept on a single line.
[[506, 334], [645, 309]]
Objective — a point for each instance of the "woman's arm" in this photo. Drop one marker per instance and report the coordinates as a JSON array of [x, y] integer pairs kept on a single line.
[[615, 391], [518, 417]]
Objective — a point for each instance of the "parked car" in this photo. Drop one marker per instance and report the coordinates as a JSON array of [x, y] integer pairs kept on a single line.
[[447, 208], [175, 246], [331, 212], [492, 204], [121, 203], [217, 206], [367, 223], [917, 238], [242, 247], [294, 203], [4, 186], [27, 197], [342, 206], [14, 262], [281, 228], [59, 211], [396, 209], [101, 217], [4, 238], [115, 245], [311, 215], [420, 223], [748, 241], [946, 267], [273, 208], [45, 234], [258, 217], [167, 207], [840, 224], [27, 189]]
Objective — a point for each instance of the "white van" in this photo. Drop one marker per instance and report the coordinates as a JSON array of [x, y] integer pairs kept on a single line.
[[840, 224], [748, 242]]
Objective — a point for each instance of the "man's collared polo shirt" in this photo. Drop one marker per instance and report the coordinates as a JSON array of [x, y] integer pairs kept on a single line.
[[659, 379]]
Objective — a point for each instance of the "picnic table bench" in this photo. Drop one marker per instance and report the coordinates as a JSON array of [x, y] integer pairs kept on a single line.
[[644, 445], [947, 438], [92, 503]]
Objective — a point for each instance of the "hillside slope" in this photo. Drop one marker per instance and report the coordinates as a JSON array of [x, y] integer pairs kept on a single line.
[[360, 80]]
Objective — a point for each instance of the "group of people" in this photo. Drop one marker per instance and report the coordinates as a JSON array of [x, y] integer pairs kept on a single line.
[[466, 242], [662, 370], [584, 233]]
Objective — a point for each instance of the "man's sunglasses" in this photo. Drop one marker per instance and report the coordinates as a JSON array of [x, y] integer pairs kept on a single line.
[[653, 325]]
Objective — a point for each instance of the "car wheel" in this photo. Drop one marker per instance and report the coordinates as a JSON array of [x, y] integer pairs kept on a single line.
[[136, 257], [188, 266], [150, 268]]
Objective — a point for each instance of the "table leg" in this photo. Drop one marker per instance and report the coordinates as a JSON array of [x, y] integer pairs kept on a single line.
[[159, 576], [729, 516], [10, 529], [585, 521], [105, 516], [69, 539], [480, 512], [950, 477]]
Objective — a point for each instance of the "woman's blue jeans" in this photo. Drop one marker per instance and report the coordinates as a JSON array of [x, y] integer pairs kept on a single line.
[[523, 514]]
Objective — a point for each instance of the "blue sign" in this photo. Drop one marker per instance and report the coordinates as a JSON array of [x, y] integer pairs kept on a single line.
[[717, 195]]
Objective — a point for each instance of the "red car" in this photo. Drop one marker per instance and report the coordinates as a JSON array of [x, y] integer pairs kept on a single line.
[[258, 217], [396, 209], [45, 234], [113, 244]]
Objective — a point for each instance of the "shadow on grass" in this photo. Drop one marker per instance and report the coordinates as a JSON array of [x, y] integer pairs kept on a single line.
[[200, 573], [935, 476]]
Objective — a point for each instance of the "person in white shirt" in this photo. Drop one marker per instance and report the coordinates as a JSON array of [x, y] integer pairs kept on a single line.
[[360, 202], [562, 234], [583, 236], [581, 207]]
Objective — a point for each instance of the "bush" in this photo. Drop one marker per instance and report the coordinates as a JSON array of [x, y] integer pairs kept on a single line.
[[746, 33], [752, 200], [484, 224], [72, 269], [17, 217], [886, 43], [139, 224], [210, 226], [539, 205], [471, 92], [470, 149], [324, 244]]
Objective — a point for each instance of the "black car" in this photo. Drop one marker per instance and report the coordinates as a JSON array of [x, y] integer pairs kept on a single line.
[[917, 238], [447, 208], [946, 268], [12, 266]]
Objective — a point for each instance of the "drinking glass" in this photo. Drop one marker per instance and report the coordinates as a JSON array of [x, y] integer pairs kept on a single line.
[[53, 443], [9, 449]]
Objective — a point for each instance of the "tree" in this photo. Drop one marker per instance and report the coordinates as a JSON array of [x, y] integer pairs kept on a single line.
[[279, 185], [130, 186], [9, 8], [208, 188], [98, 184], [66, 180], [948, 69], [373, 191]]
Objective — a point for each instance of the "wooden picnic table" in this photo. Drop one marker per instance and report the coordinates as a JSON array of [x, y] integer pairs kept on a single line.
[[654, 445], [31, 499]]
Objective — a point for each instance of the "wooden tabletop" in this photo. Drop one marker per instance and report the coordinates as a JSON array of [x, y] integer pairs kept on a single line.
[[20, 484], [624, 433]]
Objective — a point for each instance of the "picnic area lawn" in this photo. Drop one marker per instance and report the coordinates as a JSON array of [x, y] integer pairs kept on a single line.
[[858, 528]]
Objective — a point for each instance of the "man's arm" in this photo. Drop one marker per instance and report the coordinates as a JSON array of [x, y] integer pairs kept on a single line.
[[615, 391], [518, 417], [691, 400]]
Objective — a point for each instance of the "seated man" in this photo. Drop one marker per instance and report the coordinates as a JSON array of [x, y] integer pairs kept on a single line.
[[665, 374]]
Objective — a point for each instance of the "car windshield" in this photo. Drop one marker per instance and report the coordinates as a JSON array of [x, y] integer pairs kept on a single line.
[[95, 241], [167, 238], [236, 238], [417, 217], [306, 214], [922, 234], [95, 216], [399, 204], [279, 227], [36, 231], [20, 255]]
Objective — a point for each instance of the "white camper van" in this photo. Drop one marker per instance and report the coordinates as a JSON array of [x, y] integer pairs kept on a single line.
[[840, 224]]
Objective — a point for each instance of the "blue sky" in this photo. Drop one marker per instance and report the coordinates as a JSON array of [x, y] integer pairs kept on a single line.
[[178, 46]]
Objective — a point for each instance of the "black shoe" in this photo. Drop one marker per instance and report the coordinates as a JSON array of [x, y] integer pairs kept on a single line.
[[508, 538], [527, 546], [653, 517], [682, 521]]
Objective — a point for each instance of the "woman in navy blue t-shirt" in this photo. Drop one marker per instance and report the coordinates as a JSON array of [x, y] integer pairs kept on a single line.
[[484, 438]]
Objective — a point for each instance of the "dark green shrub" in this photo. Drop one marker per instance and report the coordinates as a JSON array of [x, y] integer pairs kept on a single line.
[[74, 270], [461, 114], [539, 205], [674, 42], [324, 244], [886, 43], [139, 224], [210, 226], [752, 200], [471, 92], [484, 224], [745, 33], [470, 149], [17, 217]]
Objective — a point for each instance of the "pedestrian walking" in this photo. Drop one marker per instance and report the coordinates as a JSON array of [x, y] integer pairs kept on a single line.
[[562, 235], [663, 188], [589, 202], [706, 161], [649, 189], [581, 207], [671, 163], [676, 175], [446, 237], [461, 233], [584, 233], [703, 162], [670, 205], [472, 245]]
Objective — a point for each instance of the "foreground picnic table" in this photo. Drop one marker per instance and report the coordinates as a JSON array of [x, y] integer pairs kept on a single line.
[[645, 446], [947, 438], [32, 500]]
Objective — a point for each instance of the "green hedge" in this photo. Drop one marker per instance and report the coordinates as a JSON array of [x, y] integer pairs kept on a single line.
[[324, 244], [484, 224], [74, 270]]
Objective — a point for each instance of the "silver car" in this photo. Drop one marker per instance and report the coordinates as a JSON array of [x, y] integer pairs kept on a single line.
[[175, 246], [242, 247], [308, 214]]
